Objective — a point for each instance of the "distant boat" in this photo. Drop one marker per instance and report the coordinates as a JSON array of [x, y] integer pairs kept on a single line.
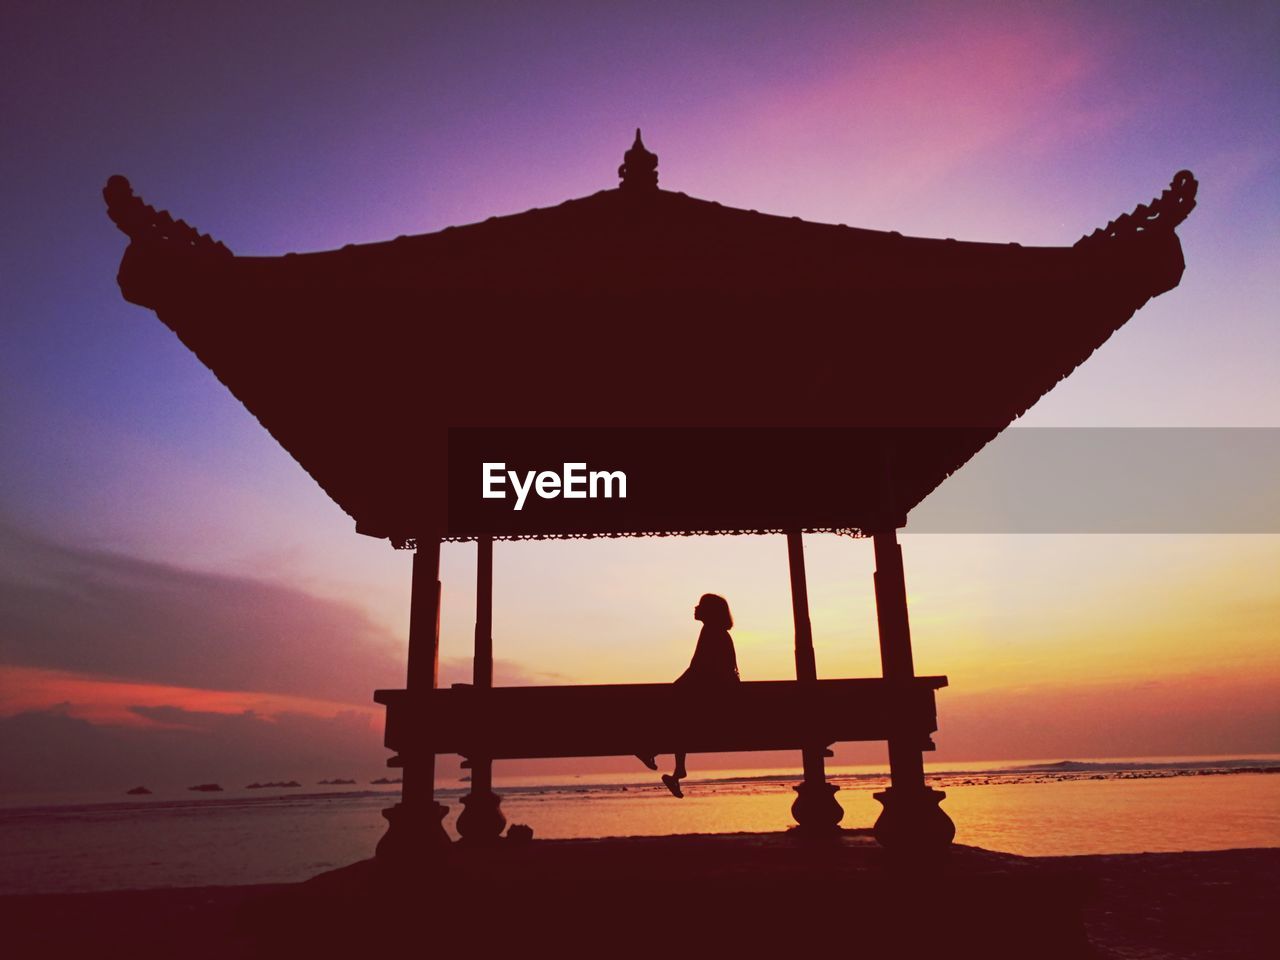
[[272, 784], [383, 781], [140, 791], [207, 788], [339, 782]]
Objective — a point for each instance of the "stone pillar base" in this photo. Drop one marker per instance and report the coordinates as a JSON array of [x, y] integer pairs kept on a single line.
[[815, 808], [912, 821], [414, 833], [481, 819]]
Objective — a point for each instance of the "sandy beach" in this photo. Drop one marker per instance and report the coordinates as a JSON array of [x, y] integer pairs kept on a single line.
[[724, 891]]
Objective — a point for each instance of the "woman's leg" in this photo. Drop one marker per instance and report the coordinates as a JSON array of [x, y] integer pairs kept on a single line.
[[672, 780]]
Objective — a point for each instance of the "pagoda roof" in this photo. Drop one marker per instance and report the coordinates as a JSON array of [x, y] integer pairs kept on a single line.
[[637, 307]]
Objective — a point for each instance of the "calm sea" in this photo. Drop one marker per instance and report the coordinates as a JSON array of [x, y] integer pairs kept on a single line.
[[284, 835]]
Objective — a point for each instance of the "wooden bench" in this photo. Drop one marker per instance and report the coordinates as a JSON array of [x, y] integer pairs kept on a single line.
[[622, 719]]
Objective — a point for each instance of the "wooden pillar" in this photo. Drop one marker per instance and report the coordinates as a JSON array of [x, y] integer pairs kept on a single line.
[[806, 666], [415, 824], [815, 807], [911, 819], [482, 666], [481, 818]]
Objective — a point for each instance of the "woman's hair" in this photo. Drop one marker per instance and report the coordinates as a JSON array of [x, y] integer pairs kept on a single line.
[[715, 611]]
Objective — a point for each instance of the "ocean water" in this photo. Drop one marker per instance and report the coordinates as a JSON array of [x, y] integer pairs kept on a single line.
[[286, 835]]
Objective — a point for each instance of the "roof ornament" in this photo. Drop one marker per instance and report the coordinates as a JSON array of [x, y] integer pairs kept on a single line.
[[639, 170], [1163, 213], [141, 222]]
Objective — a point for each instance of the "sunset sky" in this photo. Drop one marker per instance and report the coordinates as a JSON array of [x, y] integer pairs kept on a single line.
[[180, 602]]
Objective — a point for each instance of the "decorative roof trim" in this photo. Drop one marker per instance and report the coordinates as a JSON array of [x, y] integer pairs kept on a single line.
[[1163, 213], [412, 544], [143, 223]]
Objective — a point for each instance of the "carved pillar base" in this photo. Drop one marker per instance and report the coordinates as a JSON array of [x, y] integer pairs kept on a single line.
[[912, 821], [414, 834], [815, 808], [481, 820]]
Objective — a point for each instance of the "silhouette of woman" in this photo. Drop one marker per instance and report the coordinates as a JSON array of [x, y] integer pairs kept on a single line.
[[714, 664]]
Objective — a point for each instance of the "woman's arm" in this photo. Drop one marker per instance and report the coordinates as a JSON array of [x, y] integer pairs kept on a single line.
[[698, 665]]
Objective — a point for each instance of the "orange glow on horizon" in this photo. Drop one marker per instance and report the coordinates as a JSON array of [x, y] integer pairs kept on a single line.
[[107, 702]]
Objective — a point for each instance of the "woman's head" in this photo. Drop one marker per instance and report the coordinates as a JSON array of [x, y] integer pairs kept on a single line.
[[713, 610]]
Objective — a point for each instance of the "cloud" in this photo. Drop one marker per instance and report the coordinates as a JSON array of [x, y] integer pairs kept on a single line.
[[52, 750], [196, 637], [117, 616], [903, 128], [1194, 715]]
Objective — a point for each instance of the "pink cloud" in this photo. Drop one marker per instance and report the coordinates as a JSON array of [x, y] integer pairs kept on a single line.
[[892, 130]]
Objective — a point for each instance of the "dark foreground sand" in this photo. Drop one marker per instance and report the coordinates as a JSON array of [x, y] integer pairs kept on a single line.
[[669, 896]]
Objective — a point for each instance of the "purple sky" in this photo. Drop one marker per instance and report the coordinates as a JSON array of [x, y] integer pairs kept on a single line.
[[292, 126]]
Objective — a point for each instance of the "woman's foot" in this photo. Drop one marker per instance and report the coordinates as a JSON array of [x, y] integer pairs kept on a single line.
[[673, 784], [648, 760]]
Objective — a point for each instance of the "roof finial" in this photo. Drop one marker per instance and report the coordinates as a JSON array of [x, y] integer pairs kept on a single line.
[[639, 170]]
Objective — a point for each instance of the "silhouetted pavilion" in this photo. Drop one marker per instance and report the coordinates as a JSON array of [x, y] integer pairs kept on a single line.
[[645, 308]]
